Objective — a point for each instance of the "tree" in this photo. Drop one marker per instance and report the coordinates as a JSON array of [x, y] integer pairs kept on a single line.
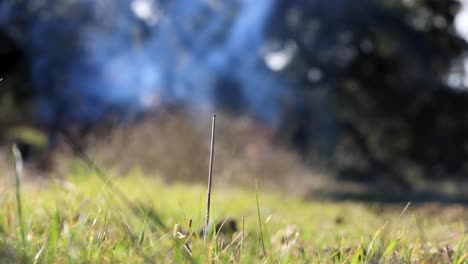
[[373, 75]]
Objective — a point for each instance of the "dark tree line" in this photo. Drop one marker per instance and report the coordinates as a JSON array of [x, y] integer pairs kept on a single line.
[[381, 67], [15, 95]]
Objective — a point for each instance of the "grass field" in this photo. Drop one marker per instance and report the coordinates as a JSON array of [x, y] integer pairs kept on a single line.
[[138, 219]]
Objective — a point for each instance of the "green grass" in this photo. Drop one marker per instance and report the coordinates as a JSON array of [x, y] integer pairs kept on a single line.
[[80, 220]]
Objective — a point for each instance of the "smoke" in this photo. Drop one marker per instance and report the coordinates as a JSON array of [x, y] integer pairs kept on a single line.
[[90, 57]]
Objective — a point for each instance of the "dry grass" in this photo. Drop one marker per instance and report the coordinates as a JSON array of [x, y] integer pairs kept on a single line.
[[177, 148]]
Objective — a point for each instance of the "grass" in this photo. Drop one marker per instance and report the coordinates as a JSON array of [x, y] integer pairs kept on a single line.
[[80, 220]]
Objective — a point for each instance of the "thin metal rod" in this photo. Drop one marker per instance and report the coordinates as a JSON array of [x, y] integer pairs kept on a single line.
[[210, 177]]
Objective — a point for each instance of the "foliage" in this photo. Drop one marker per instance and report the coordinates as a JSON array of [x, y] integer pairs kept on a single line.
[[373, 75]]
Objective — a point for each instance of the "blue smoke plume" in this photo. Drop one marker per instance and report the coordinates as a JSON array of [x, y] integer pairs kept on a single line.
[[89, 56]]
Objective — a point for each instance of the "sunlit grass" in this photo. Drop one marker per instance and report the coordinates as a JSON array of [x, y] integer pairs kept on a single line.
[[79, 220]]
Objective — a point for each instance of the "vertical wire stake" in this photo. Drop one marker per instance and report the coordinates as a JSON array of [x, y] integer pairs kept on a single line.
[[210, 177]]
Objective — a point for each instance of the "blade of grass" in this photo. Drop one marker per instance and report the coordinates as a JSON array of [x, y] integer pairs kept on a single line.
[[459, 256], [404, 209], [37, 258], [415, 250], [151, 216], [370, 248], [259, 217], [52, 241], [358, 255], [18, 165], [243, 237], [141, 236], [391, 247], [462, 259]]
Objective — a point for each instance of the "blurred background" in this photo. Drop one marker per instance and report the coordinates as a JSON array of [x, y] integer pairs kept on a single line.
[[345, 99]]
